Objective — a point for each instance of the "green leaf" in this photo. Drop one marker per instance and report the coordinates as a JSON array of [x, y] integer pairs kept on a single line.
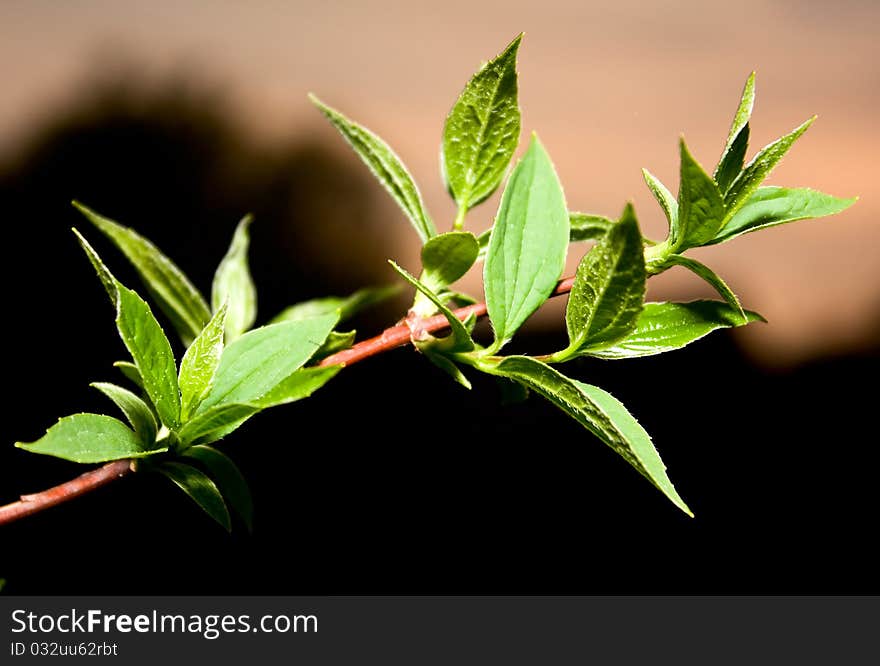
[[772, 206], [599, 412], [200, 363], [483, 243], [200, 489], [628, 438], [167, 284], [457, 298], [145, 340], [229, 481], [386, 166], [131, 373], [460, 340], [136, 411], [348, 306], [588, 227], [732, 165], [90, 438], [258, 361], [216, 422], [608, 289], [664, 198], [234, 285], [710, 277], [335, 342], [448, 367], [447, 257], [527, 246], [700, 206], [104, 275], [583, 226], [744, 111], [754, 173], [151, 351], [732, 157], [482, 131], [300, 384], [664, 327]]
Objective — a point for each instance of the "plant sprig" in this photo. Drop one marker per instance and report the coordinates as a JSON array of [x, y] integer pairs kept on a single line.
[[230, 371]]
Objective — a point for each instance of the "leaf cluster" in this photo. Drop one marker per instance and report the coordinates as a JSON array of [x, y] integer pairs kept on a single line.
[[524, 251], [230, 371], [175, 413]]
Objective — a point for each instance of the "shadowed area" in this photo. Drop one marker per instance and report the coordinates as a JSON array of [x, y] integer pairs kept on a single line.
[[393, 479]]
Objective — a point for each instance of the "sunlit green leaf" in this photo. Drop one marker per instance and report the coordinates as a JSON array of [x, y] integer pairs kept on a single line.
[[588, 227], [200, 363], [259, 360], [130, 372], [136, 411], [234, 286], [665, 199], [732, 158], [445, 259], [386, 166], [754, 173], [528, 244], [664, 327], [700, 205], [104, 274], [335, 342], [608, 289], [300, 384], [460, 339], [167, 284], [214, 423], [90, 438], [710, 277], [151, 351], [482, 131], [772, 206], [599, 412]]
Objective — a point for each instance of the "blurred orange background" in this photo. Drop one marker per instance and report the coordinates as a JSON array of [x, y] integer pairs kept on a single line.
[[609, 87]]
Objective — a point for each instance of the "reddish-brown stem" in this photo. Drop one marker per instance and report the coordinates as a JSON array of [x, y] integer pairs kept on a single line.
[[91, 480], [399, 335], [390, 338]]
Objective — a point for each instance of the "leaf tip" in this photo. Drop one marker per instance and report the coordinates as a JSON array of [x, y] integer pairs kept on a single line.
[[313, 98]]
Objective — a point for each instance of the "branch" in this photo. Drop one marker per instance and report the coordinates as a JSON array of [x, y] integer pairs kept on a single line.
[[389, 339], [91, 480], [399, 335]]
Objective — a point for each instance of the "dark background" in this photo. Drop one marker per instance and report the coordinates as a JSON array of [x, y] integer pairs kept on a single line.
[[393, 479]]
